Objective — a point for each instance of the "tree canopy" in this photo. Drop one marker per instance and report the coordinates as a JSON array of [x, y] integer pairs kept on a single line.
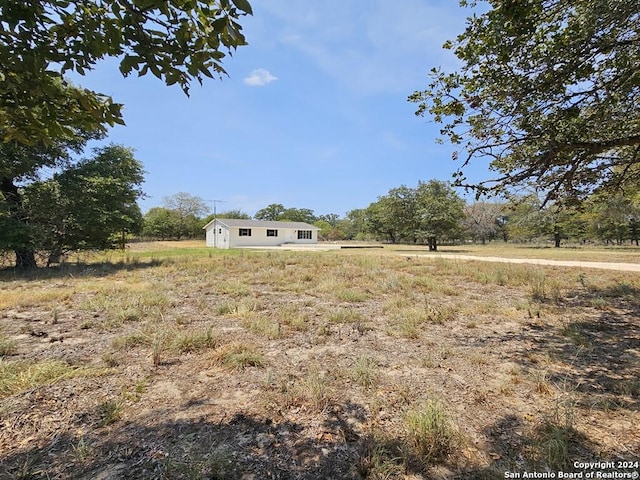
[[429, 212], [277, 211], [176, 41], [548, 90], [90, 205]]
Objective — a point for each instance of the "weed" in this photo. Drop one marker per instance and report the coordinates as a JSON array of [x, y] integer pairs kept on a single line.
[[316, 388], [110, 359], [430, 432], [191, 341], [86, 325], [628, 386], [537, 288], [7, 346], [134, 339], [352, 296], [345, 315], [294, 318], [598, 302], [239, 308], [237, 356], [109, 412], [364, 371], [381, 458], [214, 464], [18, 376], [263, 325], [576, 334], [552, 444], [158, 344], [541, 380], [81, 451]]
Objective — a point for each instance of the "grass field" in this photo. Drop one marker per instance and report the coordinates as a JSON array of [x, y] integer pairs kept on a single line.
[[173, 361]]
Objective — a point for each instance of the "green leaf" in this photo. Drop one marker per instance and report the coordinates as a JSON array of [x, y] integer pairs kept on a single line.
[[243, 5]]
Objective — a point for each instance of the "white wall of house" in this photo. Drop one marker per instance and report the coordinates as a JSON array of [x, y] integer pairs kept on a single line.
[[219, 235]]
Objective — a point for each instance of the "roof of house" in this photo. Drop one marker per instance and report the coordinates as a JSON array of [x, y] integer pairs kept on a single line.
[[235, 222]]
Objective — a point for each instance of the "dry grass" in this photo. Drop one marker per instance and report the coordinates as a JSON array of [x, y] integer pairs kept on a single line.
[[315, 365]]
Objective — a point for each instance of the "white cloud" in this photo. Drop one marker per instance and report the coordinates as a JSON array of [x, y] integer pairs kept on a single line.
[[259, 78]]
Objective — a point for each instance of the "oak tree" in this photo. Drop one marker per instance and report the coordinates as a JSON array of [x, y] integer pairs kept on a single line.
[[548, 91], [176, 41]]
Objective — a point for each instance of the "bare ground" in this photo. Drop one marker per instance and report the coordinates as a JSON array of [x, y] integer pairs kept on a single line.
[[536, 369]]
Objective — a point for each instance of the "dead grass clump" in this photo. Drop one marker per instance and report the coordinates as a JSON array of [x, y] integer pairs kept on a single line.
[[19, 376], [345, 315], [7, 345], [236, 356], [263, 325], [186, 341]]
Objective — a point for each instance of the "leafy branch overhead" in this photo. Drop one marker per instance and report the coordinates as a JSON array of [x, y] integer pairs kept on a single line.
[[548, 91], [177, 41]]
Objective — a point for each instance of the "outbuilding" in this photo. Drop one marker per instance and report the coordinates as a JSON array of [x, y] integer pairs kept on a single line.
[[232, 233]]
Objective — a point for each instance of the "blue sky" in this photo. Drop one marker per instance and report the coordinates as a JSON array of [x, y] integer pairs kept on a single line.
[[313, 114]]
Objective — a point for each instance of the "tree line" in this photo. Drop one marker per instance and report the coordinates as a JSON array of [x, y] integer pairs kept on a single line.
[[428, 214]]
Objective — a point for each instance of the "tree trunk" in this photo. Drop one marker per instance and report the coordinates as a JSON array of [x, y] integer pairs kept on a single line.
[[25, 253], [556, 239], [433, 245]]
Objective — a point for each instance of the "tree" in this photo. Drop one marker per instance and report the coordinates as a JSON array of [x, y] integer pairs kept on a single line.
[[483, 220], [613, 218], [20, 164], [353, 225], [331, 218], [178, 42], [238, 214], [298, 215], [278, 212], [531, 218], [549, 91], [271, 212], [160, 222], [90, 205], [189, 209], [439, 212], [393, 216]]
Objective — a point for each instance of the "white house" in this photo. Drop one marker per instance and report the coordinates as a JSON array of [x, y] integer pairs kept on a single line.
[[231, 233]]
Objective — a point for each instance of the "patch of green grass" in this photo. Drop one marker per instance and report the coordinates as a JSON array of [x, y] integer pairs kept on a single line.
[[237, 356], [213, 464], [193, 340], [317, 390], [345, 315], [431, 433], [351, 295], [381, 458], [19, 376], [365, 371], [109, 412], [263, 325]]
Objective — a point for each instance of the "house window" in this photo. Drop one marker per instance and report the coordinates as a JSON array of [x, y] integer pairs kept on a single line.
[[220, 231], [304, 235], [245, 232], [272, 233]]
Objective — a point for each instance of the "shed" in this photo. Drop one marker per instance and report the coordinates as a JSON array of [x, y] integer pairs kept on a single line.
[[232, 233]]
